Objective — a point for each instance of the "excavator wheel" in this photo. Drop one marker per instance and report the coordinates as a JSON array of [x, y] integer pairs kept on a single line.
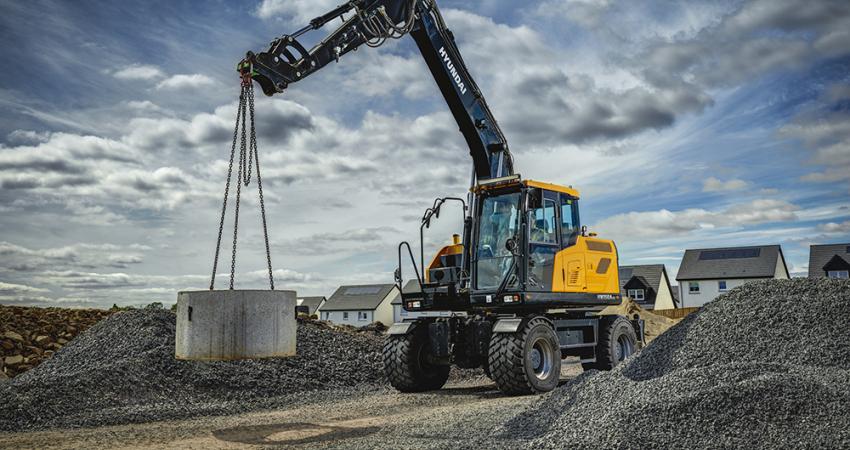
[[408, 365], [617, 341], [527, 361]]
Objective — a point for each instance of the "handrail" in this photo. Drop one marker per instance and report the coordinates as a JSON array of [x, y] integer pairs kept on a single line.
[[398, 274], [426, 223]]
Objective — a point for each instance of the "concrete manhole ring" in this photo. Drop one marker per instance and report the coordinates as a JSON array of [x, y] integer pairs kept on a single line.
[[294, 433]]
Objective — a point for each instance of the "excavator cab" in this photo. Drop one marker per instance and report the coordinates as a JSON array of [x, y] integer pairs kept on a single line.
[[524, 248]]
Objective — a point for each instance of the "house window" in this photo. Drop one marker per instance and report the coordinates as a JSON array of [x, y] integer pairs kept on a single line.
[[637, 294], [345, 315], [362, 316], [838, 274], [693, 287], [721, 285]]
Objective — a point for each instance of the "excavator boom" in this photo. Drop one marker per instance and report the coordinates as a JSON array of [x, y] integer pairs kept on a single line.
[[371, 22]]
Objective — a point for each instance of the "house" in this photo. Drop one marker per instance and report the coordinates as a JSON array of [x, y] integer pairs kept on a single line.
[[400, 315], [648, 285], [360, 305], [832, 261], [313, 304], [706, 273]]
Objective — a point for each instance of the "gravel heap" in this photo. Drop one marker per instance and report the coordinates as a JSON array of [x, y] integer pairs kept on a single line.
[[766, 365], [123, 370]]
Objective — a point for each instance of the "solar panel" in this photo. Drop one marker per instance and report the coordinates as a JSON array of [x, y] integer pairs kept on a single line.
[[363, 290], [733, 253]]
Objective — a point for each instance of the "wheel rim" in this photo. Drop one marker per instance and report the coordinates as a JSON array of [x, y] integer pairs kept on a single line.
[[422, 360], [625, 347], [541, 358]]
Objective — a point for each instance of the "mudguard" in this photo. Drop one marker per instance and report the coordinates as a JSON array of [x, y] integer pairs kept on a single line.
[[400, 328], [507, 325]]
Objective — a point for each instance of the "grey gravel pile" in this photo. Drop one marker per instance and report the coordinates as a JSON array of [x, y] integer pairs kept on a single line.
[[123, 370], [766, 365]]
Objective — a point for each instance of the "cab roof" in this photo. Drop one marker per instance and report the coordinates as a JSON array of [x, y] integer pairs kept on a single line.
[[516, 180]]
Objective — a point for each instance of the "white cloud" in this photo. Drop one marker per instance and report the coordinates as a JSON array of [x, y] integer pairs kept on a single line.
[[665, 223], [712, 184], [16, 289], [186, 81], [139, 72], [143, 105], [82, 255], [825, 131], [835, 228], [27, 137], [299, 11], [544, 102]]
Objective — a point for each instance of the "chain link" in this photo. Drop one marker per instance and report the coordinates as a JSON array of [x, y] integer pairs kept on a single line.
[[248, 156], [227, 187]]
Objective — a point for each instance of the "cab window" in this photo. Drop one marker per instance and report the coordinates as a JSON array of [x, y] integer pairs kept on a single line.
[[544, 227], [569, 220]]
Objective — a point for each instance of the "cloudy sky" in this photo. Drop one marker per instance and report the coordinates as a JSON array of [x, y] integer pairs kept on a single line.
[[683, 124]]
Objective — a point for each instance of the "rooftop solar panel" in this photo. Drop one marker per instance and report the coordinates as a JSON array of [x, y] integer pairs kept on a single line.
[[735, 253], [363, 290]]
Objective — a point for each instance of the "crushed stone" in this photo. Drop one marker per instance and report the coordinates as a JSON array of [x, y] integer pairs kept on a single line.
[[766, 365]]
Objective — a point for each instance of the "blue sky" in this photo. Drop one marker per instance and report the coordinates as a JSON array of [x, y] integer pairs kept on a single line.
[[683, 124]]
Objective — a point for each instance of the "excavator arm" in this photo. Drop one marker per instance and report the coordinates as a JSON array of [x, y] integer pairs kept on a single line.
[[371, 22]]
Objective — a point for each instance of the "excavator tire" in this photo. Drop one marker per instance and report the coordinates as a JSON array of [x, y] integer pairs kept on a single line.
[[406, 362], [617, 341], [527, 361]]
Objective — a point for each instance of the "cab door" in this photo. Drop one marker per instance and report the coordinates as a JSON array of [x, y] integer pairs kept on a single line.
[[570, 274], [543, 240]]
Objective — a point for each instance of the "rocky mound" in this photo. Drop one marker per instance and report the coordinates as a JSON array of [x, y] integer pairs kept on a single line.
[[28, 336], [765, 366], [123, 370]]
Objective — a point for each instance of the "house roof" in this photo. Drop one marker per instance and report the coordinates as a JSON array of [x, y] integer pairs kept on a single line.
[[650, 274], [312, 302], [730, 262], [410, 286], [820, 255], [638, 280], [358, 297]]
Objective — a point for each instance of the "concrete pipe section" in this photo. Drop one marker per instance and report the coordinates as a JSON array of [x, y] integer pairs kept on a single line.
[[235, 324]]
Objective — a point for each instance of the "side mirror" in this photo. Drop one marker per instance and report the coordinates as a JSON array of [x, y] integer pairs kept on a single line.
[[397, 275], [584, 230], [512, 246]]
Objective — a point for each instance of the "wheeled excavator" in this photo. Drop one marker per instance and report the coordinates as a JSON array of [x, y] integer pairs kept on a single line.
[[521, 286]]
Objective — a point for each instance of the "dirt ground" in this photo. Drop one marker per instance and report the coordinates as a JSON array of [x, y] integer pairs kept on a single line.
[[460, 415]]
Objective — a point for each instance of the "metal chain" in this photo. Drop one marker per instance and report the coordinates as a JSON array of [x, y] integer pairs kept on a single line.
[[259, 186], [239, 175], [248, 156], [227, 189]]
